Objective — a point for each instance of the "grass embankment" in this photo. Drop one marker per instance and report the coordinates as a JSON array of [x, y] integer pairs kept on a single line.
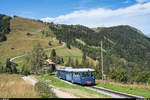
[[13, 86], [18, 42], [76, 90], [74, 53], [139, 90], [44, 90]]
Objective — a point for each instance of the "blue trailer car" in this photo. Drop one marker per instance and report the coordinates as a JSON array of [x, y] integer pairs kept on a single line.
[[81, 75]]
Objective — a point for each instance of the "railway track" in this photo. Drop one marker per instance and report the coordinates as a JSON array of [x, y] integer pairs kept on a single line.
[[112, 93]]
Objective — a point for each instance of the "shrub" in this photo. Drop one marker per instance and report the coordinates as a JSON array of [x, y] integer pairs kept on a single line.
[[28, 34], [148, 81], [143, 76], [44, 90], [118, 74], [2, 38], [49, 43]]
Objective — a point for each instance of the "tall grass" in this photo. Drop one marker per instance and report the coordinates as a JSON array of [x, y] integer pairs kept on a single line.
[[12, 86], [44, 90], [135, 89]]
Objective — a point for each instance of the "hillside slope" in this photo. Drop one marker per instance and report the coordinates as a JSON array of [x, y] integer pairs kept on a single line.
[[121, 42], [4, 27], [24, 33]]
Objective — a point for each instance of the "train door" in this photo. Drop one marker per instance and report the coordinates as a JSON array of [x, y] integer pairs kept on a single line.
[[68, 76], [76, 77]]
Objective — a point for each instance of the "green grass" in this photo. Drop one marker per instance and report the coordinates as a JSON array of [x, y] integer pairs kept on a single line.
[[60, 84], [19, 59], [126, 89], [63, 52], [20, 42], [44, 91]]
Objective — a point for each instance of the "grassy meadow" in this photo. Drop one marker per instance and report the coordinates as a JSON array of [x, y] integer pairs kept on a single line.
[[135, 89], [18, 42], [13, 86]]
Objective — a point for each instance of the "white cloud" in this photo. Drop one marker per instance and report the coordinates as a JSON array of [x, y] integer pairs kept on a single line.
[[127, 1], [136, 15], [141, 1]]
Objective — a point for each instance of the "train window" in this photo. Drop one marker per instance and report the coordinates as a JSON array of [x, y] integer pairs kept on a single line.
[[88, 74], [77, 74], [70, 73], [74, 74], [84, 74], [92, 74]]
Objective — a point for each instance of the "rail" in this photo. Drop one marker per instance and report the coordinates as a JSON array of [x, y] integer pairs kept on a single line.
[[118, 94]]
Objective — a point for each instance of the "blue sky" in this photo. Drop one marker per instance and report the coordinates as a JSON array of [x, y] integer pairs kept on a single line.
[[91, 13], [53, 8]]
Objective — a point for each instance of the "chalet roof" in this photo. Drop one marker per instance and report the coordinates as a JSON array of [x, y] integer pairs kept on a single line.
[[49, 61]]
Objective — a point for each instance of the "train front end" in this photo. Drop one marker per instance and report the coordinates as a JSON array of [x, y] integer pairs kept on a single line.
[[88, 78]]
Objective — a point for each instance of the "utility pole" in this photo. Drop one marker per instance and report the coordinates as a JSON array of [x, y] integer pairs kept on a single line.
[[102, 60]]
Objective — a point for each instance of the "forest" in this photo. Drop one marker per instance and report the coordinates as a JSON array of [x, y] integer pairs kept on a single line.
[[126, 49], [4, 27]]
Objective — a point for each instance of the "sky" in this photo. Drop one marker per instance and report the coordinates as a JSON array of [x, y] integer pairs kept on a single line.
[[90, 13]]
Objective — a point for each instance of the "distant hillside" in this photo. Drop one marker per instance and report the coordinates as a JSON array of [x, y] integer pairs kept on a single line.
[[121, 42], [127, 43]]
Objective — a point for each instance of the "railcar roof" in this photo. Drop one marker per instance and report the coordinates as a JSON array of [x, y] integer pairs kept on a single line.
[[77, 70]]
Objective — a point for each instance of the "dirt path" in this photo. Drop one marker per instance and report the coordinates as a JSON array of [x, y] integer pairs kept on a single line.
[[44, 50], [59, 94], [29, 79], [62, 94]]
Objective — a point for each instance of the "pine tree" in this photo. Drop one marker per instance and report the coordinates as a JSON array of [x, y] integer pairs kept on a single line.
[[77, 63], [49, 43], [68, 45], [72, 63], [34, 60], [53, 53], [62, 60], [8, 65], [59, 41], [83, 58], [69, 61]]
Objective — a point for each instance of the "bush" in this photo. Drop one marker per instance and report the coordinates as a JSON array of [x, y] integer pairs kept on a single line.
[[143, 76], [28, 34], [49, 43], [148, 81], [1, 69], [118, 74], [57, 60], [2, 38], [44, 90]]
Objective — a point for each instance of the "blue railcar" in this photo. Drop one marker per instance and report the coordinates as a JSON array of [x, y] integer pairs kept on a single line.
[[81, 75]]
